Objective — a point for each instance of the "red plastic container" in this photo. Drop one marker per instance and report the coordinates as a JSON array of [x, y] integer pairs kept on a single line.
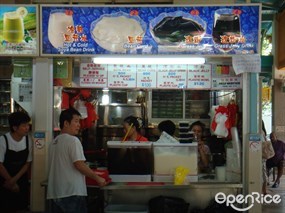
[[104, 173]]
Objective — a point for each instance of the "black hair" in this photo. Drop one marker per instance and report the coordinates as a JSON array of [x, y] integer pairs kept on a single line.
[[198, 123], [132, 120], [18, 118], [167, 126], [67, 115]]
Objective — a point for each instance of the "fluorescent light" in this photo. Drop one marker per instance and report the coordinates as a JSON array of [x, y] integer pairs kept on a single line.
[[105, 99], [148, 60]]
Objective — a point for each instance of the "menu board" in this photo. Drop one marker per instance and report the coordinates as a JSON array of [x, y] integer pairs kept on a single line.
[[121, 76], [93, 75], [199, 76], [146, 76], [187, 76], [203, 30], [18, 30], [171, 76]]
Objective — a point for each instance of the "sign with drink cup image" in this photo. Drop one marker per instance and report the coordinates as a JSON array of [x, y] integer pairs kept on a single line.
[[18, 30], [143, 30]]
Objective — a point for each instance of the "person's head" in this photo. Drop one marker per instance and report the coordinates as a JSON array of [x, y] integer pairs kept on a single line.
[[167, 126], [133, 123], [198, 128], [273, 137], [69, 121], [19, 122]]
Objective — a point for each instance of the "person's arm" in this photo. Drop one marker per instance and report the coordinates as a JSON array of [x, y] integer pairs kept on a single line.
[[4, 173], [21, 172], [204, 153], [85, 170]]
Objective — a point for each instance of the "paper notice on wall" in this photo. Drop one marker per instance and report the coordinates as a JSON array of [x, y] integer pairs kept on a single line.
[[246, 63]]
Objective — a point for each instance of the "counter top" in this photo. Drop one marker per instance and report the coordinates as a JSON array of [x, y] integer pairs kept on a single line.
[[161, 185]]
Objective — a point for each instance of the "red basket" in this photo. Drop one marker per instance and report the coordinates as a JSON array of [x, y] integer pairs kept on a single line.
[[104, 173]]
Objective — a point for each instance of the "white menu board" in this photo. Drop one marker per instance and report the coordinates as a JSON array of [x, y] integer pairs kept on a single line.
[[171, 76], [93, 75], [146, 76], [227, 83], [199, 76], [122, 76]]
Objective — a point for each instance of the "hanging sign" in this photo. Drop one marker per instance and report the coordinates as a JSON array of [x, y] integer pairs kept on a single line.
[[146, 76], [250, 63], [18, 30], [204, 30], [93, 75], [199, 76]]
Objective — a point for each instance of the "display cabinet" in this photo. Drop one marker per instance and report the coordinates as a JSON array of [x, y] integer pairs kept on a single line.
[[5, 103]]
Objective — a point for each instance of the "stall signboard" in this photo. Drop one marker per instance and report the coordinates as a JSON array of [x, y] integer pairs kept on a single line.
[[93, 75], [199, 76], [122, 76], [171, 76], [18, 30], [234, 82], [146, 76], [143, 30]]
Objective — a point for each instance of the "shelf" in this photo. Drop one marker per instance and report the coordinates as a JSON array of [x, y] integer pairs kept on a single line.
[[5, 91], [5, 103], [197, 100], [126, 105], [4, 114]]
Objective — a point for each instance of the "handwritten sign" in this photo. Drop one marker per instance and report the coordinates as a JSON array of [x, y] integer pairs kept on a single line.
[[246, 63], [122, 76], [171, 76], [227, 83], [146, 76], [199, 76], [93, 75]]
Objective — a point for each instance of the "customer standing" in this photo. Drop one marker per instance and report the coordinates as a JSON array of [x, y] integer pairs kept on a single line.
[[278, 159], [67, 168], [15, 161]]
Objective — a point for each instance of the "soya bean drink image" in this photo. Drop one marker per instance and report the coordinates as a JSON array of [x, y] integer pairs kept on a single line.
[[59, 23], [13, 25], [226, 29]]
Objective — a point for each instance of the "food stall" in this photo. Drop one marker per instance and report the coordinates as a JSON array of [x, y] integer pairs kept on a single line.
[[209, 52]]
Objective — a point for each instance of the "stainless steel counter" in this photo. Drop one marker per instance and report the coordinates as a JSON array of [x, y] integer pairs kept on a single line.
[[151, 185]]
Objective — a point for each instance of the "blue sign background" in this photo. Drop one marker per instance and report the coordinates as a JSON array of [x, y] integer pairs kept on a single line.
[[85, 15]]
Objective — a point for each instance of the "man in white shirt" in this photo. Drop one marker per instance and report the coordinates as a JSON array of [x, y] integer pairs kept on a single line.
[[67, 168], [15, 161]]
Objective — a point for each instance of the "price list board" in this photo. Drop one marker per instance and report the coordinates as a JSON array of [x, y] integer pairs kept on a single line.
[[146, 76], [93, 75], [171, 76], [122, 76], [199, 76]]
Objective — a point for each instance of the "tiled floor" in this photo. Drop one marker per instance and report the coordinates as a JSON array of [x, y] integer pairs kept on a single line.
[[276, 208]]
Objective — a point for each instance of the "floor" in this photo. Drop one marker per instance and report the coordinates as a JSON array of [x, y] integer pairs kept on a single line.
[[276, 208]]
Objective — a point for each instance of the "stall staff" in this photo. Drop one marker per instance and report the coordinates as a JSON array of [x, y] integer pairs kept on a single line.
[[15, 161], [132, 129], [67, 168], [204, 152]]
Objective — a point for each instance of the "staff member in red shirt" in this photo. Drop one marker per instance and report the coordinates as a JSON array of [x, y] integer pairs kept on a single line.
[[132, 130]]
